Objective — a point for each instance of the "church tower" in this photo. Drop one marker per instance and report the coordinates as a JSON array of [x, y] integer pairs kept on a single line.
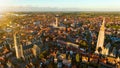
[[56, 18], [16, 47], [101, 36]]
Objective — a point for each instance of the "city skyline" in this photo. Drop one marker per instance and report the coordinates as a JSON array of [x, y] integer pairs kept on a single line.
[[95, 5]]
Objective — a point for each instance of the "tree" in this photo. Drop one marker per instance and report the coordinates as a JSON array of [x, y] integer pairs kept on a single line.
[[99, 50], [83, 43]]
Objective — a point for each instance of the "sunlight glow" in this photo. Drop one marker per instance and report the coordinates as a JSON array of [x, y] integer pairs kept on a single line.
[[4, 4]]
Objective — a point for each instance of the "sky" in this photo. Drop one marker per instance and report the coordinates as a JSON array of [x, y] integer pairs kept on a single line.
[[81, 4]]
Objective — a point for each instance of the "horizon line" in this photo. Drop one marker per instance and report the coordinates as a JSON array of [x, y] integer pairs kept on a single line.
[[39, 9]]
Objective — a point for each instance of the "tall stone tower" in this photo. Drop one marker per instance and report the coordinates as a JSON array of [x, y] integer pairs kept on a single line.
[[56, 23], [101, 36], [18, 48]]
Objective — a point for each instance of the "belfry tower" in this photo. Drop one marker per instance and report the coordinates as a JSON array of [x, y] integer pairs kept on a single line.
[[56, 18], [101, 36], [18, 48]]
